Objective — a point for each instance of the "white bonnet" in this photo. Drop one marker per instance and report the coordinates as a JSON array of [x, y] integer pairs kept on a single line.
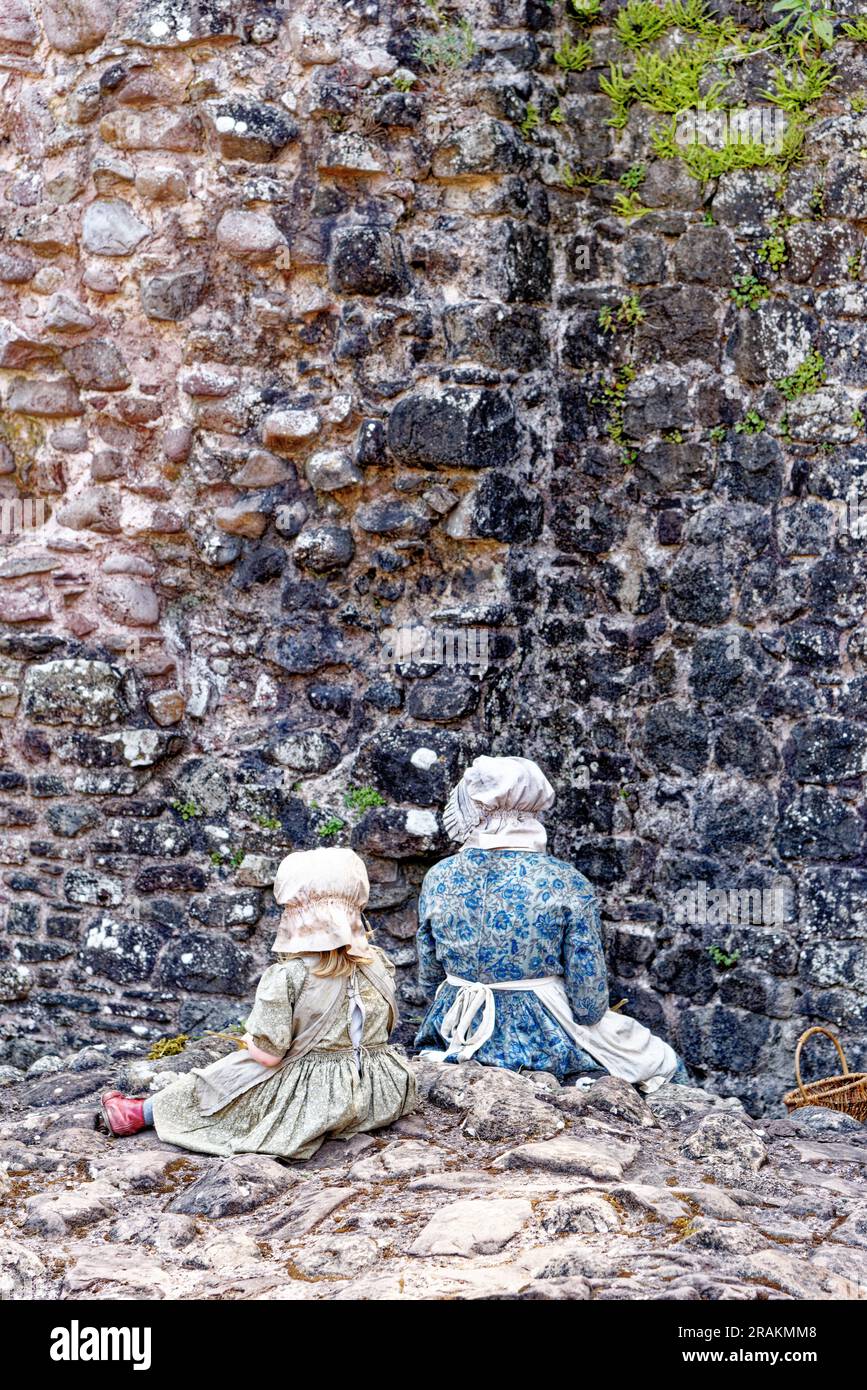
[[322, 892], [502, 797]]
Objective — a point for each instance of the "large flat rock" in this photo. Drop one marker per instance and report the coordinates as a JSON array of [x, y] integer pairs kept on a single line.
[[607, 1159], [473, 1227]]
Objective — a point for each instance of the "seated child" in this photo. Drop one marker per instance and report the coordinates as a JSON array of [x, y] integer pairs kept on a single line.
[[317, 1063]]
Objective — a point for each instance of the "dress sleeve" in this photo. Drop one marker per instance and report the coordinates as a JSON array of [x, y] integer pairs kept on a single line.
[[385, 961], [430, 972], [586, 978], [270, 1021]]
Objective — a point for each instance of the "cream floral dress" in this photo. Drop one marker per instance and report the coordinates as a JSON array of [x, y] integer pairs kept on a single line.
[[346, 1084]]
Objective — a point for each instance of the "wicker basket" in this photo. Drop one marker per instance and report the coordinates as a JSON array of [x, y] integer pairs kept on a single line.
[[847, 1093]]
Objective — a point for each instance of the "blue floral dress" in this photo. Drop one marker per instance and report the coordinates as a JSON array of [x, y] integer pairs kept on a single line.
[[493, 915]]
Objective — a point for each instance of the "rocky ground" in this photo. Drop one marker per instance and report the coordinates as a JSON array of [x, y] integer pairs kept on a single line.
[[500, 1186]]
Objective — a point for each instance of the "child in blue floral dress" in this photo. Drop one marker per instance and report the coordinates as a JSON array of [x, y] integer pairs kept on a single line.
[[510, 950]]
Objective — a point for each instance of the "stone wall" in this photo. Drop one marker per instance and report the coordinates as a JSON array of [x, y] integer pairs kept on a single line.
[[309, 347]]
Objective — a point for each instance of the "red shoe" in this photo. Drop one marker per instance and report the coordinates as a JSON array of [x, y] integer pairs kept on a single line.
[[122, 1114]]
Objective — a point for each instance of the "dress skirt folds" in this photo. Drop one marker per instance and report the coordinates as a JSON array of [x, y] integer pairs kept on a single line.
[[330, 1090], [320, 1096]]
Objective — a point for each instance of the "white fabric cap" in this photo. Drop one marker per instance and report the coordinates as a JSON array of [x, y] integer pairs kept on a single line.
[[322, 892], [495, 805]]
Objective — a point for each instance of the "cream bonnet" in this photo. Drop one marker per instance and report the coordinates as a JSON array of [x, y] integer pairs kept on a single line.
[[496, 805], [322, 893]]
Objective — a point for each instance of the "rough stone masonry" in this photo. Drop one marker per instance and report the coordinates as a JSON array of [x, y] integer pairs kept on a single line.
[[307, 343]]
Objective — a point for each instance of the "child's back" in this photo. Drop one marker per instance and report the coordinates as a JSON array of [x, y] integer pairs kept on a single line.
[[334, 1073], [317, 1063]]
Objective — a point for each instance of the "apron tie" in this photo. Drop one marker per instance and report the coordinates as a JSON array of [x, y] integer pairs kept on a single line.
[[457, 1026], [472, 999], [622, 1045]]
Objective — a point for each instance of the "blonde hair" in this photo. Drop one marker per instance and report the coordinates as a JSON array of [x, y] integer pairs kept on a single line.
[[338, 962], [332, 964]]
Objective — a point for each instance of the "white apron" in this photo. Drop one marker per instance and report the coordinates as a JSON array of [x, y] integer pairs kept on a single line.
[[622, 1045]]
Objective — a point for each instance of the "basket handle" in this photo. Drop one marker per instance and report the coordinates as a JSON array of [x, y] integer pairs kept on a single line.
[[802, 1039]]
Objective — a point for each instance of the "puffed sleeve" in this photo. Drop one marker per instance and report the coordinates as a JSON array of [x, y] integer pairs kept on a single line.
[[270, 1021], [585, 976], [430, 972]]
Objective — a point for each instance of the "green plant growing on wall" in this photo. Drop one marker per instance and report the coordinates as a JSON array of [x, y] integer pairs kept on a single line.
[[612, 395], [404, 81], [556, 116], [573, 57], [672, 84], [723, 959], [450, 48], [694, 17], [585, 11], [705, 162], [639, 22], [268, 822], [816, 201], [748, 292], [794, 88], [806, 23], [791, 151], [618, 88], [630, 312], [858, 103], [580, 178], [807, 377], [629, 206], [773, 252], [361, 799], [752, 423], [664, 140], [187, 810], [689, 77], [627, 314], [856, 31], [634, 176], [669, 85], [531, 120], [853, 266], [356, 800], [220, 857], [332, 826], [717, 434]]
